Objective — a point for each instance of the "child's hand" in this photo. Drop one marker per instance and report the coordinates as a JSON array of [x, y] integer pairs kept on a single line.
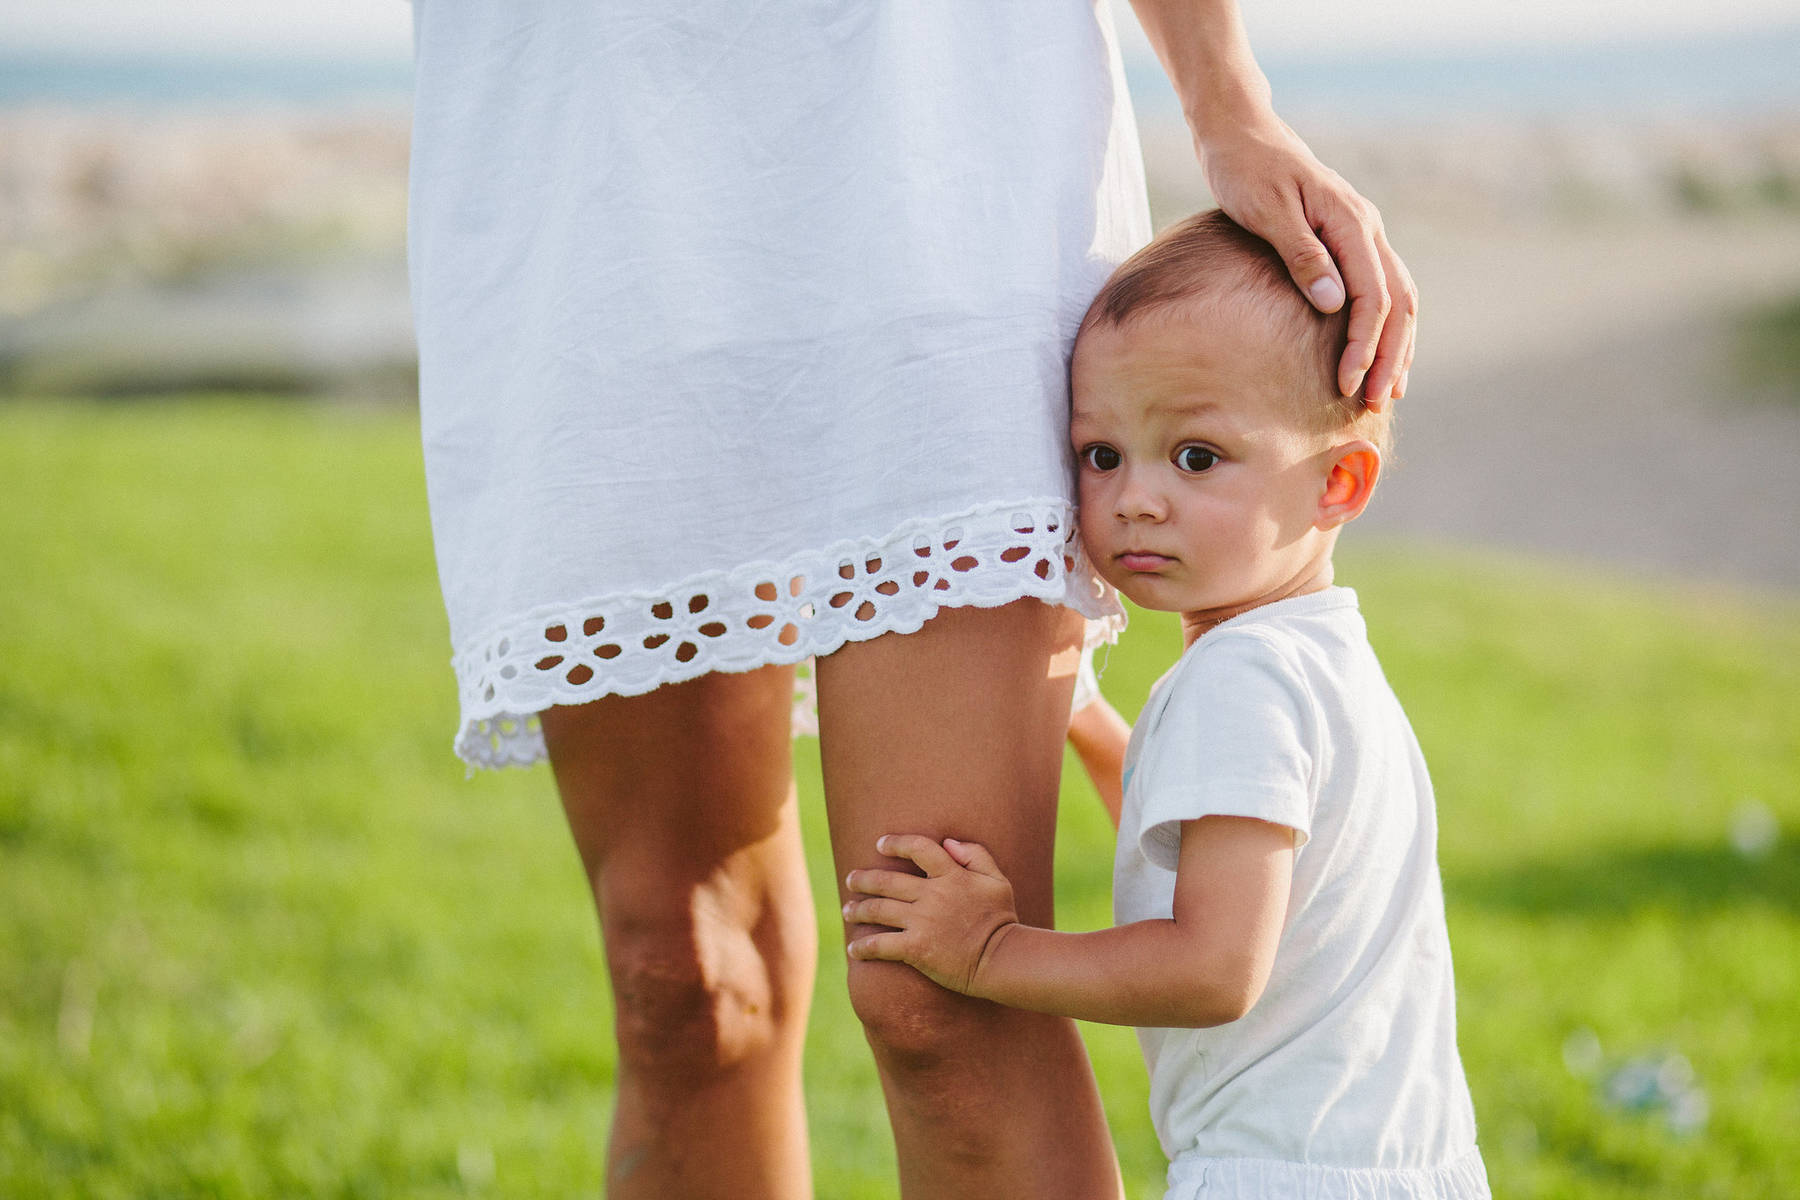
[[947, 922]]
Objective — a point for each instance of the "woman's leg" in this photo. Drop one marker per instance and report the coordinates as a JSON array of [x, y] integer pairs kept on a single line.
[[682, 806], [957, 730]]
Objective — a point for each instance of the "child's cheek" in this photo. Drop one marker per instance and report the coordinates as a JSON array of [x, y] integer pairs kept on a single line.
[[1092, 535]]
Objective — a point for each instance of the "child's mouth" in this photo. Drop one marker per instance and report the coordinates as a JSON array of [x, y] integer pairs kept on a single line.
[[1143, 560]]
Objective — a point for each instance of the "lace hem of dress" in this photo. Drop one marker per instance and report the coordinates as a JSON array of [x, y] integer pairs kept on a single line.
[[765, 613], [1194, 1177]]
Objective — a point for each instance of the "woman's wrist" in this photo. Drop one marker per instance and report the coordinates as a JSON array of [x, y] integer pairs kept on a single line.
[[1230, 104], [1207, 57]]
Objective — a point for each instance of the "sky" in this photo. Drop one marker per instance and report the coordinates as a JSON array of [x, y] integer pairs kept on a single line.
[[1291, 28]]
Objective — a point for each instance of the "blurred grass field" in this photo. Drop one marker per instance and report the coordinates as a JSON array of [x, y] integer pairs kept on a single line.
[[260, 937]]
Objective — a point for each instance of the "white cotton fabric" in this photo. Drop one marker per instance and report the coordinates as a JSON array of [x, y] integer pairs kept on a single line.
[[1343, 1082], [743, 327]]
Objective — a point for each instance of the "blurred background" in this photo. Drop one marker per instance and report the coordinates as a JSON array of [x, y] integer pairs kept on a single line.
[[258, 936]]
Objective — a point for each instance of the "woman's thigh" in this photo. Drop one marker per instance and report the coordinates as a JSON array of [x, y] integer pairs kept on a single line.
[[953, 731], [690, 773]]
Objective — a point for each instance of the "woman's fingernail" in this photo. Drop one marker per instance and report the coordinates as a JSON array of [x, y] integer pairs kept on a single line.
[[1327, 294], [847, 909]]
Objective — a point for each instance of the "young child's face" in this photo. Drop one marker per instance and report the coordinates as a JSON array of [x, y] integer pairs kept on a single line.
[[1198, 486]]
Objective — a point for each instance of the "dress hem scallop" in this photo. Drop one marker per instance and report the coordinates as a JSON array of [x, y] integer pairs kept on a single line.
[[766, 613]]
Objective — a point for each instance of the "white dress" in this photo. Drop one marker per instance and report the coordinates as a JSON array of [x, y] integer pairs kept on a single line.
[[743, 327]]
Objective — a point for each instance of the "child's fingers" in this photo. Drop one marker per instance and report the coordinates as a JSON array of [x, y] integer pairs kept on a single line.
[[923, 852], [876, 910], [897, 885], [962, 852], [973, 855], [879, 947]]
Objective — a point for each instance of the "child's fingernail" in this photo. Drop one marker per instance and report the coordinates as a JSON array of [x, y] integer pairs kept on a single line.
[[847, 910]]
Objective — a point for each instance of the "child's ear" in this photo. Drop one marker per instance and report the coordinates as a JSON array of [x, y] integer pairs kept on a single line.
[[1349, 482]]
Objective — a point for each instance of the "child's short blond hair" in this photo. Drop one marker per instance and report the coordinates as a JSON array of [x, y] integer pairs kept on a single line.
[[1208, 259]]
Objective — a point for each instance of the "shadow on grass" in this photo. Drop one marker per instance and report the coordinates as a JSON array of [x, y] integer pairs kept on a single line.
[[1682, 879]]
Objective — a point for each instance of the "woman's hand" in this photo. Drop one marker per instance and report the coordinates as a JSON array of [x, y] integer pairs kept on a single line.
[[944, 924], [1266, 180]]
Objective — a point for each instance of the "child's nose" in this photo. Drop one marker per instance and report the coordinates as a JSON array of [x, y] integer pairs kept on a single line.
[[1139, 497]]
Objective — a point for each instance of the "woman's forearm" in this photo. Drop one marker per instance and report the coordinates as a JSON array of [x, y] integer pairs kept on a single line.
[[1206, 54]]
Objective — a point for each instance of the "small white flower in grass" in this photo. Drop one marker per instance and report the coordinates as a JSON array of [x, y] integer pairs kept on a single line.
[[1754, 829], [475, 1164], [1688, 1111], [1581, 1053]]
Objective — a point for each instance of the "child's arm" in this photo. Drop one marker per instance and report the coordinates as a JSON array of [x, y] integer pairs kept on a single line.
[[1099, 736], [1205, 966]]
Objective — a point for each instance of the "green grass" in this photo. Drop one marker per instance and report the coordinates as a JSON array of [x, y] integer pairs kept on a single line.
[[259, 936]]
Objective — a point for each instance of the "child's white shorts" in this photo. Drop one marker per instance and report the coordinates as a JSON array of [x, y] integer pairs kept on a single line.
[[1197, 1178]]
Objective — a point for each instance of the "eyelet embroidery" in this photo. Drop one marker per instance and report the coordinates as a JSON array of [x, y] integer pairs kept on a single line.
[[760, 614]]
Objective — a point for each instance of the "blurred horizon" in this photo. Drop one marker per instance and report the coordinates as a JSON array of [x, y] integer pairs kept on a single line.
[[1370, 29], [1734, 71]]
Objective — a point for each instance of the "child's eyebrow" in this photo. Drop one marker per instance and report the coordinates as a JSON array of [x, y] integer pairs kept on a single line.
[[1194, 408]]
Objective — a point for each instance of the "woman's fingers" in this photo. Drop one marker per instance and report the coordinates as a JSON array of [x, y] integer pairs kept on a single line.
[[1331, 240], [1394, 352], [1347, 253], [1348, 227], [1308, 260]]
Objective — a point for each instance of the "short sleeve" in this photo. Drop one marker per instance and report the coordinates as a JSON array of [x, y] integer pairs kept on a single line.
[[1236, 738]]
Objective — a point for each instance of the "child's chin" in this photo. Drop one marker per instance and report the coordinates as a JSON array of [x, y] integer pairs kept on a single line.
[[1148, 596]]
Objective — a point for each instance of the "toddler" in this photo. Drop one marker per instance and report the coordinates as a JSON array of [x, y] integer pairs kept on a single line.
[[1280, 941]]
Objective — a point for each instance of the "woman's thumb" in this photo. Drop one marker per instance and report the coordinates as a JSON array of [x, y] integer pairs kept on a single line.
[[1309, 262]]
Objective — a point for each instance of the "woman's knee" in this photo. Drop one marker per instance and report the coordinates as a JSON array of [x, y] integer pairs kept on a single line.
[[913, 1025], [696, 997]]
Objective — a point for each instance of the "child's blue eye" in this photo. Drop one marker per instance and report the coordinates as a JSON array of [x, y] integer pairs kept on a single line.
[[1101, 458], [1196, 459]]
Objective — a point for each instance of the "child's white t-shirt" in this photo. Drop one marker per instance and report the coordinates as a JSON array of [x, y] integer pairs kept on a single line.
[[1344, 1079]]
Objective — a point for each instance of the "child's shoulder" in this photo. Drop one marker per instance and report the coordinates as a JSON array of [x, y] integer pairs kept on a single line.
[[1299, 654], [1327, 623]]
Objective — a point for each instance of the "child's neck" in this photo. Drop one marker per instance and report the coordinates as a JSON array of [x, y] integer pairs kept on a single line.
[[1316, 578]]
